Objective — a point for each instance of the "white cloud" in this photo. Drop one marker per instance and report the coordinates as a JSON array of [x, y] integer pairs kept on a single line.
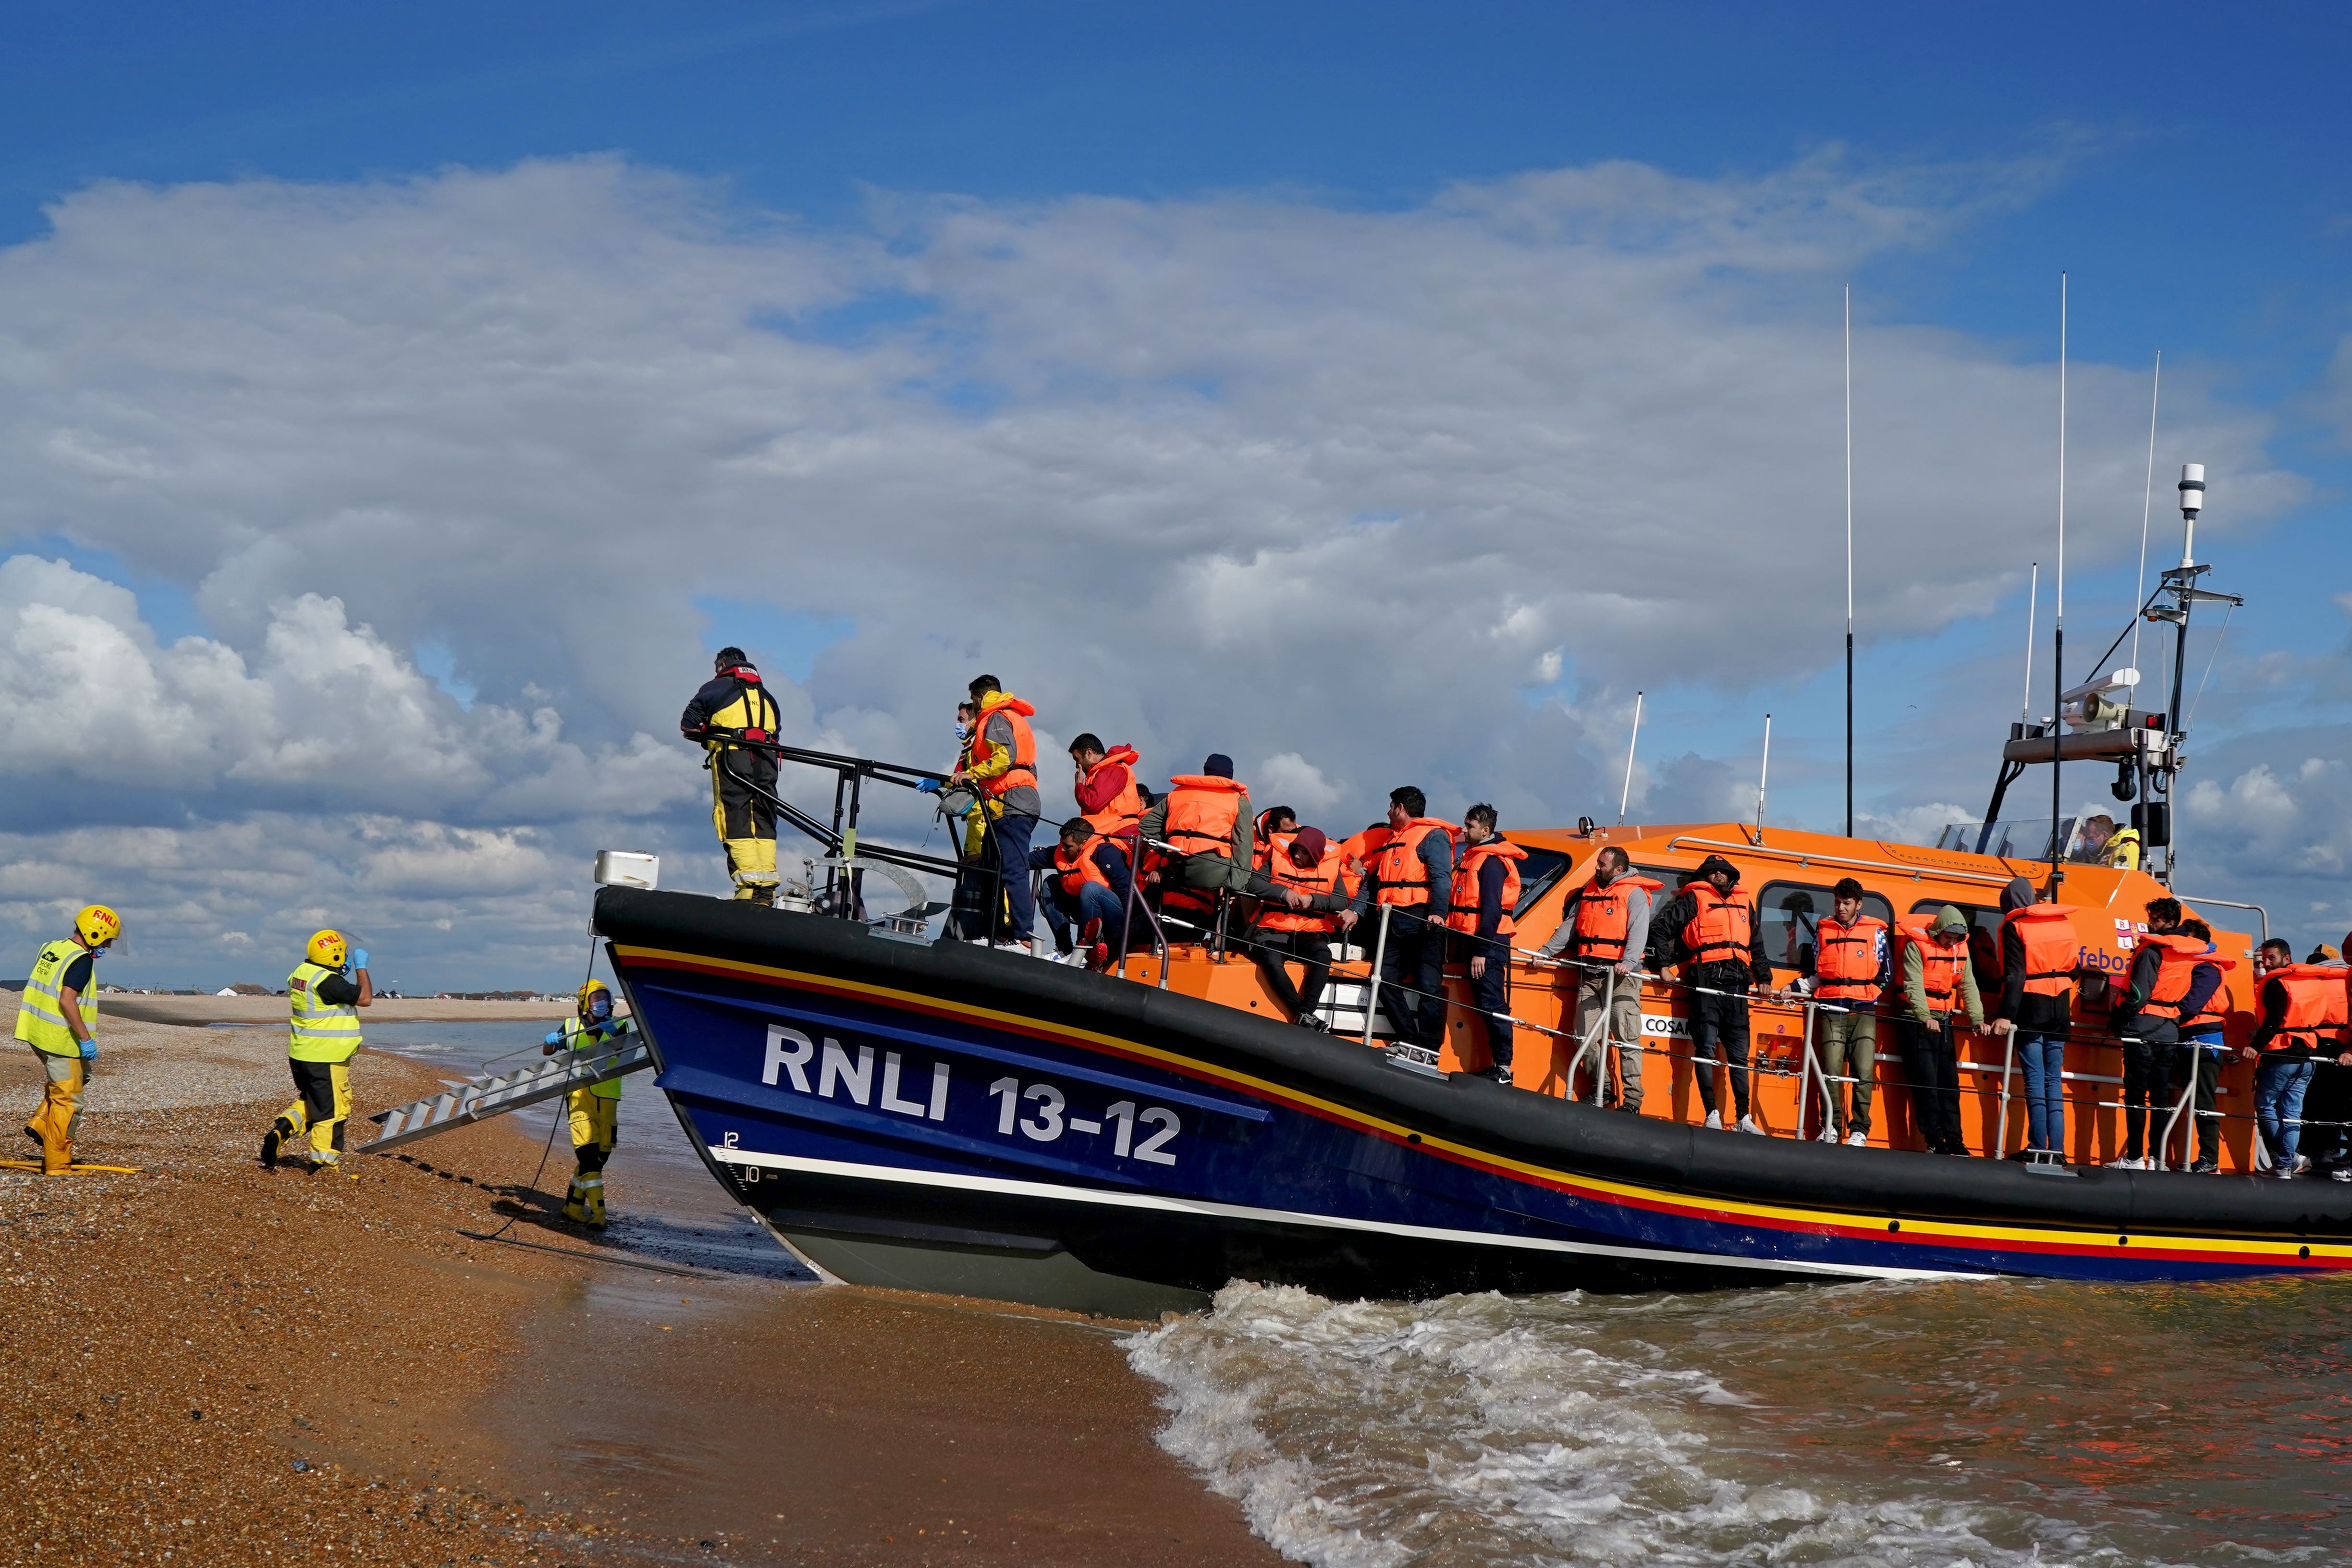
[[1288, 779], [1236, 473]]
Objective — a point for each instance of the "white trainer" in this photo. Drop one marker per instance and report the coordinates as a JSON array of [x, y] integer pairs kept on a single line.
[[1857, 1139], [1828, 1135], [2302, 1163], [1714, 1121], [1748, 1125], [2126, 1164]]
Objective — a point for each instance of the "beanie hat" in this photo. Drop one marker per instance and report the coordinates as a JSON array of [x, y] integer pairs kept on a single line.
[[1713, 863], [1218, 767], [1309, 842]]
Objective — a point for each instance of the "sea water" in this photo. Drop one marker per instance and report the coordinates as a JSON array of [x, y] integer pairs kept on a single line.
[[2001, 1423]]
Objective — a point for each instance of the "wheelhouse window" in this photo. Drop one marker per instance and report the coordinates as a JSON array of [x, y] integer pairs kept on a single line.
[[1788, 912], [1539, 873]]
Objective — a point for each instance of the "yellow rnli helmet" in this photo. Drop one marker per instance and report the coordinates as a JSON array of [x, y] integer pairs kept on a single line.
[[97, 925], [328, 949], [588, 993]]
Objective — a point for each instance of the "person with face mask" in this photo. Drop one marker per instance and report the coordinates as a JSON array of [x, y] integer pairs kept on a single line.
[[595, 1110]]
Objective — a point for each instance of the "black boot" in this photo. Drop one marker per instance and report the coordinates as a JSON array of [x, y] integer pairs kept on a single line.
[[764, 896], [279, 1130]]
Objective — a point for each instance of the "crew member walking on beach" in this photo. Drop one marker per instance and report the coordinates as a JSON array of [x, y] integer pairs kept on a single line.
[[58, 1017], [323, 1036], [731, 707], [596, 1108]]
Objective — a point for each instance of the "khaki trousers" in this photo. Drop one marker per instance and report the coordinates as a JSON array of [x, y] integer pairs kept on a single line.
[[1849, 1046], [1624, 1041]]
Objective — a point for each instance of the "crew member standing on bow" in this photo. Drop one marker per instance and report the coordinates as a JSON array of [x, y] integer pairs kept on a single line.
[[1205, 818], [1412, 877], [732, 707], [1001, 766], [2040, 951], [1938, 989], [1485, 896], [1306, 893], [57, 1017], [323, 1038], [1603, 933], [1851, 966], [595, 1108], [1721, 949]]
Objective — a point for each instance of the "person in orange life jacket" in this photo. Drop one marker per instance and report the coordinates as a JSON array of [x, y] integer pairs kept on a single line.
[[1719, 946], [2327, 1107], [2037, 955], [2197, 1061], [1485, 896], [1846, 969], [1275, 821], [1206, 815], [1412, 876], [1603, 933], [1001, 765], [1307, 890], [1109, 796], [2156, 996], [731, 707], [1939, 986], [1085, 887], [2302, 1013]]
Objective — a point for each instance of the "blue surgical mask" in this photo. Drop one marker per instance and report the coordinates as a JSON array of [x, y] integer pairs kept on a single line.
[[600, 1007], [962, 730]]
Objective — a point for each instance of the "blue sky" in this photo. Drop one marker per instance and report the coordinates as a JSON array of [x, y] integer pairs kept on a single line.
[[2185, 167]]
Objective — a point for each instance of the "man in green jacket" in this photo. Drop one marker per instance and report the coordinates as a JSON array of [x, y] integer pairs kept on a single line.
[[1938, 990]]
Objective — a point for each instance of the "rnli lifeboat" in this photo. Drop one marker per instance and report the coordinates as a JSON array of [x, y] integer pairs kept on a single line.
[[937, 1115]]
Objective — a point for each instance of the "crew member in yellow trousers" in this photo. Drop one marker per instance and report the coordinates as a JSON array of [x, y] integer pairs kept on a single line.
[[595, 1110], [323, 1036], [58, 1019]]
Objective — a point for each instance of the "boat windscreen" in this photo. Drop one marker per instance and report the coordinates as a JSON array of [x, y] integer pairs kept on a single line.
[[1539, 874]]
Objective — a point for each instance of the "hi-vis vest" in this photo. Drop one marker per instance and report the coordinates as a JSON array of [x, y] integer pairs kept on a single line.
[[41, 1014], [1463, 914], [2176, 971], [1202, 809], [583, 1040], [1075, 872], [2051, 947], [1398, 874], [1847, 958], [321, 1032], [1721, 928], [2316, 1012], [1940, 966], [752, 715], [1604, 918], [1325, 876], [1017, 713], [1124, 809]]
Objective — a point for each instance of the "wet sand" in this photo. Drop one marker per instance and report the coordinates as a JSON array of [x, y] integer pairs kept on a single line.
[[235, 1365]]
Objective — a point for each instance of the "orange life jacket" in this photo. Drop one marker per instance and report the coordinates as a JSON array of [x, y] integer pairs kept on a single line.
[[1125, 809], [1940, 966], [1399, 877], [1604, 918], [2053, 947], [1722, 928], [1262, 844], [1077, 870], [1202, 808], [2208, 1019], [1462, 916], [2314, 1006], [1017, 713], [1846, 958], [2177, 970], [1325, 876]]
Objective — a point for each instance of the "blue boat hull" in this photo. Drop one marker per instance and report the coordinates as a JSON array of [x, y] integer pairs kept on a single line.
[[947, 1118]]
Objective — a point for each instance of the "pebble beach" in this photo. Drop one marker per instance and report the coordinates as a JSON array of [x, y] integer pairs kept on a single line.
[[210, 1363]]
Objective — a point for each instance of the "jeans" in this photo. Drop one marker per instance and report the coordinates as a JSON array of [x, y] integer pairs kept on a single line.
[[1011, 834], [1415, 958], [1931, 1062], [1716, 1020], [2279, 1088], [1624, 1009], [2043, 1057], [1849, 1045], [1094, 902], [1490, 994], [1272, 949]]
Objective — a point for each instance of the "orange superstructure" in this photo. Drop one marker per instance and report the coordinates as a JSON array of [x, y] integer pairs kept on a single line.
[[1790, 875]]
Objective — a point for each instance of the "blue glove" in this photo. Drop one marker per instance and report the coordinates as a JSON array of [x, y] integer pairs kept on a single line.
[[554, 1037], [359, 958], [89, 1050], [929, 786]]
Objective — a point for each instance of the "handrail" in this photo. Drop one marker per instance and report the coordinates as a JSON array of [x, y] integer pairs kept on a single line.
[[1805, 858], [2232, 904]]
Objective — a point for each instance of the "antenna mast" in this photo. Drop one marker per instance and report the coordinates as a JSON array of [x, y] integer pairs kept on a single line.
[[2058, 617], [1630, 742], [1849, 570], [2032, 591], [1762, 773], [2146, 503]]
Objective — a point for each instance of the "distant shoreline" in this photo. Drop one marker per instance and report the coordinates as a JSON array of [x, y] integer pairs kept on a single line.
[[196, 1012]]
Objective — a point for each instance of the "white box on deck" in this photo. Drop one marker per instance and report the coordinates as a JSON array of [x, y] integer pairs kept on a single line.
[[628, 868]]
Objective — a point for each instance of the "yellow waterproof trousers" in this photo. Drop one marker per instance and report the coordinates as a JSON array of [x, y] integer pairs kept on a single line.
[[596, 1128], [323, 1103], [745, 821], [59, 1117]]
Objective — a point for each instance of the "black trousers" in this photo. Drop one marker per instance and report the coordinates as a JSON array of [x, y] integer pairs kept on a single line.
[[1415, 958], [742, 813], [2147, 1079], [1931, 1064], [1491, 993], [1312, 949], [2191, 1059], [1719, 1023], [2327, 1101]]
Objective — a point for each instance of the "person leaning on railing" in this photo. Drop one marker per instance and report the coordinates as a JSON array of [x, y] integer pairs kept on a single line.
[[2303, 1011], [2167, 984], [2327, 1105], [1719, 947], [2040, 951], [2199, 1059], [1938, 989], [1603, 933]]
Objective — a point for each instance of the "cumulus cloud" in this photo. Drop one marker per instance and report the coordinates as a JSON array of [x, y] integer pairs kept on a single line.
[[1375, 497]]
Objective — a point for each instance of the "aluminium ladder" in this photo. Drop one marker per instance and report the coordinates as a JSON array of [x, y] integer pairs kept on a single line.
[[494, 1094]]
